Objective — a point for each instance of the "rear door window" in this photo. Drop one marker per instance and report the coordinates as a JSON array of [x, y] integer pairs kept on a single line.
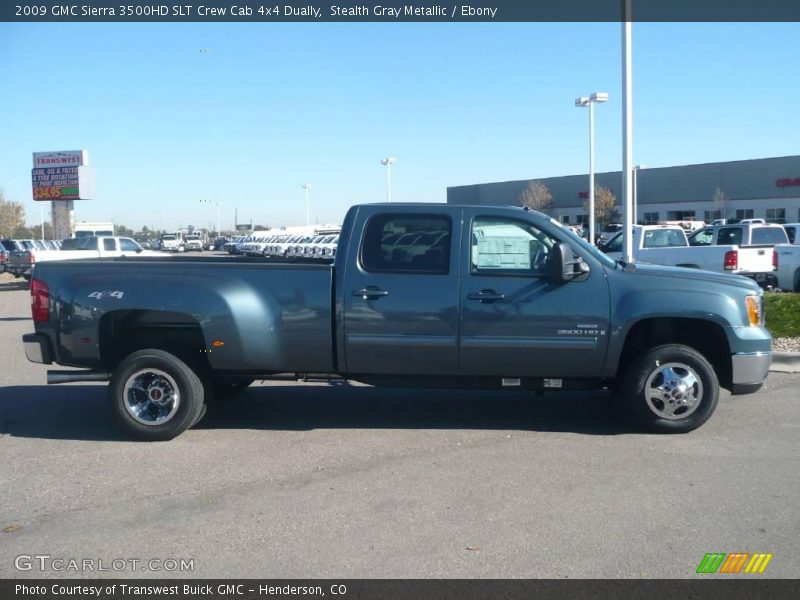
[[407, 243], [730, 236]]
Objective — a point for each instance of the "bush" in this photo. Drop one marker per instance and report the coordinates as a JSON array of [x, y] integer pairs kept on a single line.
[[782, 313]]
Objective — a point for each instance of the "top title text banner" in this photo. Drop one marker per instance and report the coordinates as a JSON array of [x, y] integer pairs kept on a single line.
[[344, 11]]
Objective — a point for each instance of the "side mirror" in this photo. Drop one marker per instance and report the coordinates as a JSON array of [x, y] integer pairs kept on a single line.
[[139, 249], [564, 265]]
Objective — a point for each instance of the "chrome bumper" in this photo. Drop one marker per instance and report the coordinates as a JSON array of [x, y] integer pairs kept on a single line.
[[750, 369]]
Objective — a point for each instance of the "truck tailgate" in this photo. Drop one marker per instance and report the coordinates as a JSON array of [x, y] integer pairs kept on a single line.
[[755, 259]]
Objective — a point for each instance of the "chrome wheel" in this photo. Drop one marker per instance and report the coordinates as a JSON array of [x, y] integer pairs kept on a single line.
[[151, 396], [673, 391]]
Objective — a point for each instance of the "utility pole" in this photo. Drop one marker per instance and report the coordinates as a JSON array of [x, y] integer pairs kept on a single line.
[[627, 135]]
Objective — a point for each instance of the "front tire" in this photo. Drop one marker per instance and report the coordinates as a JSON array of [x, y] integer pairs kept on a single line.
[[155, 395], [671, 389]]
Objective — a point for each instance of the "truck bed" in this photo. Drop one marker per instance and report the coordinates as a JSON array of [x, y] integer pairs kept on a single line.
[[284, 317]]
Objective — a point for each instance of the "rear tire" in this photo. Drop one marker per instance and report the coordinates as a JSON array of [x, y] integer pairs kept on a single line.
[[155, 395], [671, 389]]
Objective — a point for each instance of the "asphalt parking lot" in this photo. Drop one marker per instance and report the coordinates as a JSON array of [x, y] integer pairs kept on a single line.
[[347, 481]]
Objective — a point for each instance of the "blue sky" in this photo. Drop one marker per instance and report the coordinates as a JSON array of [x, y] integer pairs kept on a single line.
[[244, 114]]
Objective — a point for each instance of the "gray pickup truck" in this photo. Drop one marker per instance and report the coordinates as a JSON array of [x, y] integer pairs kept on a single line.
[[420, 295]]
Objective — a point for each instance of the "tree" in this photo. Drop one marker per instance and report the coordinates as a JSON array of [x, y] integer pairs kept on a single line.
[[12, 216], [123, 231], [21, 232], [721, 205], [536, 196], [605, 210]]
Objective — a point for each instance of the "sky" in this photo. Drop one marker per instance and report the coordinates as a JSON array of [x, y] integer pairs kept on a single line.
[[245, 114]]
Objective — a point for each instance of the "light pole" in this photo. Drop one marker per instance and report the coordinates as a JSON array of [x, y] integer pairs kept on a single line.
[[306, 187], [218, 203], [582, 102], [627, 134], [388, 162], [636, 192]]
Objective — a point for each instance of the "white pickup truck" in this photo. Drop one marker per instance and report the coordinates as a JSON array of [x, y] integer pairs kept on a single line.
[[21, 262], [758, 234], [668, 245]]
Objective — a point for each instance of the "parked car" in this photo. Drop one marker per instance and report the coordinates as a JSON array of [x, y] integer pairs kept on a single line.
[[328, 249], [193, 243], [280, 249], [791, 232], [526, 306], [756, 233], [171, 243], [751, 232], [233, 246], [668, 245], [295, 249], [609, 230], [6, 248]]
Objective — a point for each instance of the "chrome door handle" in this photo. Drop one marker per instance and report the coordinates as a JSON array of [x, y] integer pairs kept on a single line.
[[486, 296], [370, 292]]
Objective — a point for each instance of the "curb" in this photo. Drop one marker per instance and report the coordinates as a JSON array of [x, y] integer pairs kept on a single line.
[[785, 362]]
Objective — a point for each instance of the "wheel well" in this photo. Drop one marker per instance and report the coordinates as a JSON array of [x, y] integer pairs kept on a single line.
[[125, 331], [704, 336]]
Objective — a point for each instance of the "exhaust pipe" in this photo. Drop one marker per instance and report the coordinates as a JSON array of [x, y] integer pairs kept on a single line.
[[54, 377]]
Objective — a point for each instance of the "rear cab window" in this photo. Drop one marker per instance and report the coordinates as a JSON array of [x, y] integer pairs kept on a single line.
[[769, 235]]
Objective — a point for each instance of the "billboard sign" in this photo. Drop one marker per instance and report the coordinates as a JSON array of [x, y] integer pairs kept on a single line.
[[66, 158], [62, 176]]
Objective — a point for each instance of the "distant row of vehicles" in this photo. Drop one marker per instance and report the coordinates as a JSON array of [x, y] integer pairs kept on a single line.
[[321, 246], [21, 261]]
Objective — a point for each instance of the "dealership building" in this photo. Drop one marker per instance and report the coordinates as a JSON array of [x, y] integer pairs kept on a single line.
[[767, 188]]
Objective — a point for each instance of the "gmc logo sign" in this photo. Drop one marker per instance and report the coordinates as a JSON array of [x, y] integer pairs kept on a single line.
[[788, 182]]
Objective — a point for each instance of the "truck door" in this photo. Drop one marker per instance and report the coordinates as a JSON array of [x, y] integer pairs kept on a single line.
[[516, 321], [127, 247], [109, 247], [401, 300]]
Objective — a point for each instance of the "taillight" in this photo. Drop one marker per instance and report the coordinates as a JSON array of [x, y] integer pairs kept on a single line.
[[31, 257], [731, 260], [774, 260], [40, 301]]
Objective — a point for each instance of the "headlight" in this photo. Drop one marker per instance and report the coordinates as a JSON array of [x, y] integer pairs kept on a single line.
[[755, 309]]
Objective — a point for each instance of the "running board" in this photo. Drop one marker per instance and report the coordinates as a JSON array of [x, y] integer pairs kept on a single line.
[[54, 377]]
